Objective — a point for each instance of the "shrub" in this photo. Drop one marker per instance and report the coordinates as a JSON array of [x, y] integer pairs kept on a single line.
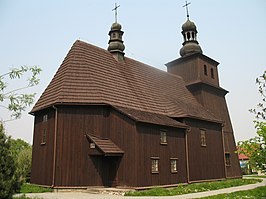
[[7, 166]]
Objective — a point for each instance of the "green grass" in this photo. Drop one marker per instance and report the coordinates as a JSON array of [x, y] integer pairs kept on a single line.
[[30, 188], [193, 188], [259, 192]]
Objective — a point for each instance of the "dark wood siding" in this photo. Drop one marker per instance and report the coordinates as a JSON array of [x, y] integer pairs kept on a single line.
[[215, 101], [233, 170], [73, 165], [123, 133], [205, 162], [42, 154], [206, 90], [149, 146]]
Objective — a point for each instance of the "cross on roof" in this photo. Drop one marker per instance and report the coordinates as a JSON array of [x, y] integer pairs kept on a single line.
[[186, 5], [115, 9]]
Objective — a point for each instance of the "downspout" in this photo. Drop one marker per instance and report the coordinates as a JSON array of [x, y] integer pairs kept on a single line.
[[224, 150], [54, 155], [187, 161]]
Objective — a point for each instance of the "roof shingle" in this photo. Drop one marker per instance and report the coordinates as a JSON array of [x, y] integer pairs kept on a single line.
[[106, 146], [91, 75]]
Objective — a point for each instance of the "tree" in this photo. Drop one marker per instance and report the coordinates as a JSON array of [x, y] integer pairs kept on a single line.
[[13, 162], [260, 111], [15, 100], [7, 166], [255, 148], [21, 152]]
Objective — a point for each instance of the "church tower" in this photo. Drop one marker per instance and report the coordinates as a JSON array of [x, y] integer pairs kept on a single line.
[[116, 46], [200, 74]]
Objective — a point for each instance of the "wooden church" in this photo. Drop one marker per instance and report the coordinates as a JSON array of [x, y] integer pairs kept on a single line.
[[109, 120]]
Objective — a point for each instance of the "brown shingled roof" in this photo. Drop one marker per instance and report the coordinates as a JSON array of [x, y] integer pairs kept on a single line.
[[152, 118], [106, 146], [91, 75]]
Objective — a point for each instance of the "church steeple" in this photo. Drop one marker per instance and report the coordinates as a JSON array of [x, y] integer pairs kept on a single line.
[[189, 32], [116, 46]]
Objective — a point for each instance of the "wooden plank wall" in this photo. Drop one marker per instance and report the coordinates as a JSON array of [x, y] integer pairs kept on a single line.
[[217, 104], [74, 165], [42, 154], [205, 162], [149, 145]]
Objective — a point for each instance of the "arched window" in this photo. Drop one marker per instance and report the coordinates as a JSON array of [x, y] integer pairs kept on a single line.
[[188, 36]]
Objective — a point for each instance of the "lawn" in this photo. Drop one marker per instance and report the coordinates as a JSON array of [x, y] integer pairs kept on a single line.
[[259, 192], [193, 188], [30, 188]]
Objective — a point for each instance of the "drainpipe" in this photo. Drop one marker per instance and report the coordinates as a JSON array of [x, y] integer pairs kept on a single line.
[[186, 142], [54, 155]]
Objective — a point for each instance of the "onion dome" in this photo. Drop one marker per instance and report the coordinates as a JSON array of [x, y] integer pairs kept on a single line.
[[116, 26], [190, 44], [189, 25]]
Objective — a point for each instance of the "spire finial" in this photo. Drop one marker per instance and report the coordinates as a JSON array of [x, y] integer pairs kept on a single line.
[[186, 5], [115, 9]]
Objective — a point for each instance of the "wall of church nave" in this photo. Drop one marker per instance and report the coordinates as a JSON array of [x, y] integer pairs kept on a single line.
[[42, 148], [205, 150]]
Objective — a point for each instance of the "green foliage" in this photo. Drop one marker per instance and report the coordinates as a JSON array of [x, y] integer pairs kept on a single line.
[[21, 152], [30, 188], [7, 166], [259, 192], [193, 188], [260, 111], [255, 148], [16, 100]]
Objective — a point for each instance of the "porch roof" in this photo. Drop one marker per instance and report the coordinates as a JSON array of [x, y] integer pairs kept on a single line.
[[105, 145]]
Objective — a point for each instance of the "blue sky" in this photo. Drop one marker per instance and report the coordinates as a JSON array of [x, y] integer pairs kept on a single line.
[[35, 32]]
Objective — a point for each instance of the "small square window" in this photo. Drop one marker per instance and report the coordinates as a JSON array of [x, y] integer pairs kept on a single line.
[[43, 139], [203, 137], [227, 159], [163, 137], [45, 118], [173, 162], [155, 165]]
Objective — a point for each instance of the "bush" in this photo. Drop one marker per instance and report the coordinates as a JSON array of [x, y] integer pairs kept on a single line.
[[7, 166]]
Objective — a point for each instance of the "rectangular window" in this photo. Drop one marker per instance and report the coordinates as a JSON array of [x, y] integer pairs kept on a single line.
[[173, 163], [203, 137], [227, 159], [43, 139], [45, 118], [212, 73], [205, 70], [155, 165], [163, 137]]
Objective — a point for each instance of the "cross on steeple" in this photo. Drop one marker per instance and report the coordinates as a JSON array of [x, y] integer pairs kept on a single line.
[[186, 5], [115, 9]]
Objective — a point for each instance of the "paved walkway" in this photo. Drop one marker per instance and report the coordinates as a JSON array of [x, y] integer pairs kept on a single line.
[[82, 195]]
